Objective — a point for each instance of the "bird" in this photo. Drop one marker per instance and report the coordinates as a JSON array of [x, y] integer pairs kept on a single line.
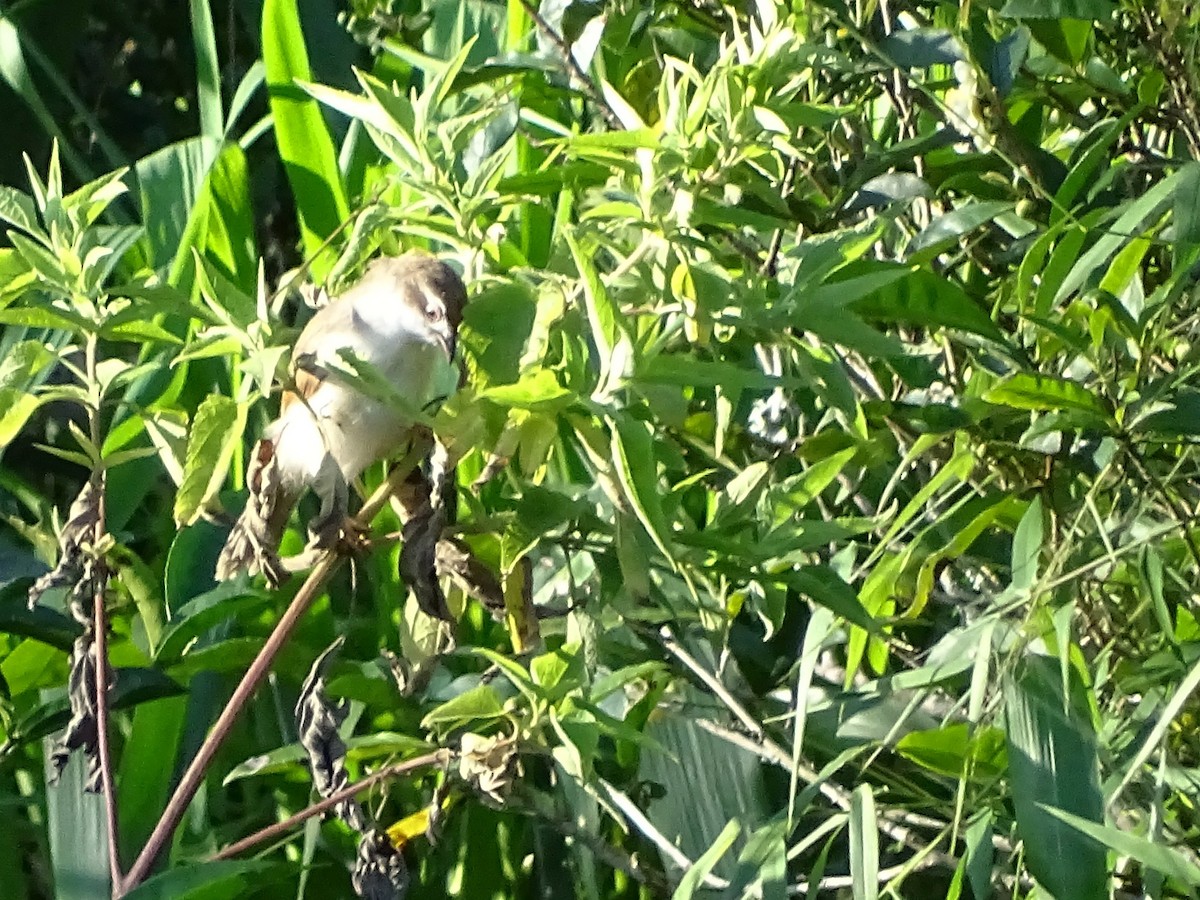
[[401, 319]]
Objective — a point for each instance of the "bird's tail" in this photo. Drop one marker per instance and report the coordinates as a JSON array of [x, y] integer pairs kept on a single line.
[[253, 544]]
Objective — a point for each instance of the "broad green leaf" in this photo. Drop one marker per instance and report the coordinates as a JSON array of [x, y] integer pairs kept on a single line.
[[214, 433], [1052, 761]]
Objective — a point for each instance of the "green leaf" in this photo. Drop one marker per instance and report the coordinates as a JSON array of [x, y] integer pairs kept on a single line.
[[946, 230], [1025, 390], [496, 325], [825, 587], [202, 613], [40, 623], [211, 440], [300, 133], [537, 391], [359, 749], [1027, 545], [208, 70], [479, 704], [1052, 761], [225, 879], [1186, 216], [1136, 219], [637, 472], [694, 877], [1059, 9], [17, 209], [601, 313], [932, 301], [864, 844], [15, 409], [1152, 854]]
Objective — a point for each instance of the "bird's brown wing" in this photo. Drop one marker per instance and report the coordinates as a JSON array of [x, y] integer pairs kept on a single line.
[[321, 330]]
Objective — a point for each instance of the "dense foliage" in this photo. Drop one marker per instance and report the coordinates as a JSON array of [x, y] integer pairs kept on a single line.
[[826, 455]]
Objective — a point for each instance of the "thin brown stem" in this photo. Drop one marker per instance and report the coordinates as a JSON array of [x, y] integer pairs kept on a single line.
[[576, 72], [103, 679], [196, 770], [438, 757], [100, 625]]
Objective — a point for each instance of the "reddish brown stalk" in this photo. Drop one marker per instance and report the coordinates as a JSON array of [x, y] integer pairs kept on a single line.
[[438, 757], [103, 680], [309, 591]]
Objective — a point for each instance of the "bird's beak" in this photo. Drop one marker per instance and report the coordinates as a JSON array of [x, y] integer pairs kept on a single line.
[[445, 339]]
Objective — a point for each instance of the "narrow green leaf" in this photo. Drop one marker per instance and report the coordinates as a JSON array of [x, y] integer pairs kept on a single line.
[[637, 471], [538, 390], [694, 877], [1186, 217], [15, 409], [17, 209], [208, 70], [1027, 545], [221, 880], [601, 314], [864, 844], [40, 623], [300, 133], [946, 230], [1152, 854], [924, 298], [1025, 390]]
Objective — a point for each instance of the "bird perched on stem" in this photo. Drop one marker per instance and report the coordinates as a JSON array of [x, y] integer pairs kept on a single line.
[[400, 320]]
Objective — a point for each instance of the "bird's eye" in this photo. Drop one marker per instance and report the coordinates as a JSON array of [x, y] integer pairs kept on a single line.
[[435, 313]]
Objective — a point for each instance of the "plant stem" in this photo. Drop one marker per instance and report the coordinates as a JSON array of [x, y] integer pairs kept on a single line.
[[438, 757], [194, 775], [100, 625]]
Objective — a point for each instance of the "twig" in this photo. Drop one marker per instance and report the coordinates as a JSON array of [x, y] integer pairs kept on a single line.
[[1173, 505], [770, 266], [190, 782], [638, 820], [103, 680], [584, 82], [100, 625], [437, 757], [713, 683]]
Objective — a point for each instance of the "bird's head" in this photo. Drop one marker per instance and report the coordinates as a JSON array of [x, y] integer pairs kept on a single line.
[[427, 294]]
